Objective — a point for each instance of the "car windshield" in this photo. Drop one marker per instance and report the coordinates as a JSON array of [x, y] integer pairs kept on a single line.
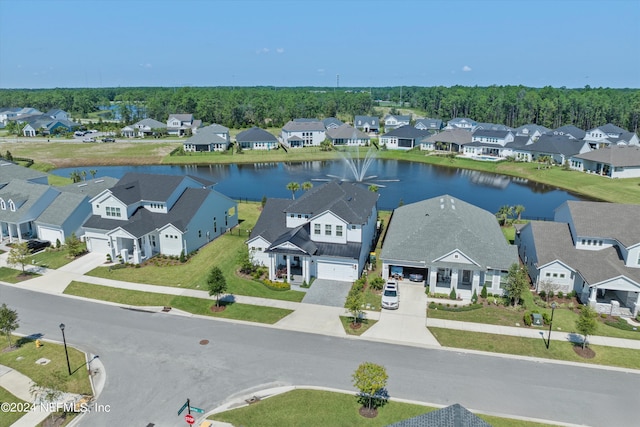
[[390, 293]]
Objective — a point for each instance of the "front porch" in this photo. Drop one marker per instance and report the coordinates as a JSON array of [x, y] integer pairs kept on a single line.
[[615, 302], [289, 267]]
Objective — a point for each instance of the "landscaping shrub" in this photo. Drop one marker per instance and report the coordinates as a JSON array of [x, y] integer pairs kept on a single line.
[[377, 283], [452, 294], [550, 294], [58, 243], [304, 284], [474, 297], [527, 318], [604, 315], [483, 292], [546, 318], [109, 258], [183, 258], [619, 323], [358, 285], [560, 294], [276, 286], [455, 308], [542, 294]]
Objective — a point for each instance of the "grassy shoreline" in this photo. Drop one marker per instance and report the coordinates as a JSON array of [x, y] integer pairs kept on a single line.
[[49, 156]]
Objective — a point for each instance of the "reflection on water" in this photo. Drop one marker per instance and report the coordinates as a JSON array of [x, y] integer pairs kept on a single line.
[[406, 181]]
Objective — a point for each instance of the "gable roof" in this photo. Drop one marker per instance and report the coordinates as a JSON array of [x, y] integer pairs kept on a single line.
[[134, 187], [24, 194], [272, 220], [571, 130], [429, 123], [346, 131], [491, 126], [553, 241], [181, 117], [208, 135], [530, 129], [408, 131], [360, 120], [451, 416], [306, 125], [10, 170], [609, 128], [62, 208], [427, 230], [399, 118], [490, 133], [556, 144], [150, 123], [351, 202], [456, 136], [621, 156], [330, 122], [590, 220], [255, 134]]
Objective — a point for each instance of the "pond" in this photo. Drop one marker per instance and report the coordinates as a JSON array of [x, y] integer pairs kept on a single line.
[[398, 181]]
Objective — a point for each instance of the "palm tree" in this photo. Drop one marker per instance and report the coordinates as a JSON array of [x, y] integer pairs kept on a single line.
[[373, 188], [75, 176], [306, 186], [93, 173], [84, 175], [518, 209], [504, 213], [293, 187]]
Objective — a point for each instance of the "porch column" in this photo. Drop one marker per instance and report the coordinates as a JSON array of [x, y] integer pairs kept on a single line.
[[305, 269], [475, 282], [433, 279], [454, 278], [289, 269], [272, 268], [10, 233], [593, 292]]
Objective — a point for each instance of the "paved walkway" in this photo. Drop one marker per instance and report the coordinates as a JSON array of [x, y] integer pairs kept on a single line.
[[404, 326]]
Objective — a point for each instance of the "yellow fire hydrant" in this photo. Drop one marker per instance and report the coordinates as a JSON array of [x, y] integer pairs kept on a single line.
[[38, 343]]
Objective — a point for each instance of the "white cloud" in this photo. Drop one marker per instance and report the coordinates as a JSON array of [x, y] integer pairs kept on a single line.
[[147, 65], [280, 50], [320, 70], [263, 50], [466, 68]]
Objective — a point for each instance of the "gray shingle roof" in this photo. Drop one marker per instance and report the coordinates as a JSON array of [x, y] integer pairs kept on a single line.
[[272, 220], [346, 131], [531, 128], [609, 128], [490, 133], [331, 122], [90, 188], [429, 123], [572, 130], [553, 241], [9, 171], [207, 135], [491, 126], [600, 219], [134, 187], [62, 208], [425, 231], [451, 416], [309, 125], [255, 134], [359, 121], [615, 156], [182, 117], [24, 194], [556, 144], [456, 136], [408, 131], [351, 202], [151, 123]]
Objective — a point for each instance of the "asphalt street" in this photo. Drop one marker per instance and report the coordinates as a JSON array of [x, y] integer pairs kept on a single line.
[[154, 361]]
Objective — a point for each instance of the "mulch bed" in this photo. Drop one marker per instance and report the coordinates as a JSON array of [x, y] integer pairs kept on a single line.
[[585, 353], [355, 325], [218, 309], [368, 412]]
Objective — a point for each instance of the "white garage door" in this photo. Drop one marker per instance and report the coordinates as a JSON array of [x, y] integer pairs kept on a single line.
[[336, 271], [50, 234], [95, 244]]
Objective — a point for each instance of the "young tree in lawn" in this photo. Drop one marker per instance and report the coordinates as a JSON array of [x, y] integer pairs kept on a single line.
[[370, 379], [516, 283], [354, 303], [216, 284], [549, 287], [8, 321], [74, 246], [293, 187], [586, 323], [19, 255]]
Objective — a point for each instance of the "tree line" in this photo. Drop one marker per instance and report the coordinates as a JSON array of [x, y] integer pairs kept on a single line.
[[241, 107]]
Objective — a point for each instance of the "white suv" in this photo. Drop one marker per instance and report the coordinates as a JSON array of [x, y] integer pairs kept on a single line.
[[391, 295]]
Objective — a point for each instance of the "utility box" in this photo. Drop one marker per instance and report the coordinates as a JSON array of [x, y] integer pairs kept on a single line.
[[536, 319]]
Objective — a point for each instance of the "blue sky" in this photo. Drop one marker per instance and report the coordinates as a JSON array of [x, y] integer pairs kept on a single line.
[[93, 43]]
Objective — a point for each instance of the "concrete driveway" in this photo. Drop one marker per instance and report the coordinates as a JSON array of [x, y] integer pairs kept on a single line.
[[408, 322], [327, 292]]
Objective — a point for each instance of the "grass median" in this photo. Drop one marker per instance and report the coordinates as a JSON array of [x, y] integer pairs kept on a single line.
[[201, 306], [315, 408], [8, 417], [535, 347]]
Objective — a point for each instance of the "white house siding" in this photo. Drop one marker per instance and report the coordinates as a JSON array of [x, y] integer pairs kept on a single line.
[[559, 274], [171, 240], [296, 219], [107, 200], [328, 222], [201, 230], [50, 234], [625, 172], [97, 242], [257, 252], [633, 256]]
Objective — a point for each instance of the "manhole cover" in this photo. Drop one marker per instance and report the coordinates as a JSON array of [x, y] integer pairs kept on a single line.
[[204, 342]]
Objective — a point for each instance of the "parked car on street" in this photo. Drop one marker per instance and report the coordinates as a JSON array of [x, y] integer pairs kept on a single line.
[[35, 245], [391, 295], [89, 140], [108, 140]]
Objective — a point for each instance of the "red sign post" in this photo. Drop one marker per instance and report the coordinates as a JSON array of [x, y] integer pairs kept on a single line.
[[189, 419]]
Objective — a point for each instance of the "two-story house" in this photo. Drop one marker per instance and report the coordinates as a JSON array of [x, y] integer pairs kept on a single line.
[[327, 233], [489, 143], [210, 138], [392, 121], [428, 124], [608, 135], [590, 247], [142, 128], [145, 215], [461, 123], [299, 133], [182, 124]]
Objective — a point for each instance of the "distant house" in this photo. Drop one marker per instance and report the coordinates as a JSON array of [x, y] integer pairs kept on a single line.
[[448, 140], [367, 124], [145, 215], [461, 123], [392, 122], [331, 123], [569, 130], [531, 130], [489, 143], [257, 139], [54, 121], [404, 138], [558, 148], [614, 162], [347, 135], [10, 170], [57, 114], [182, 124], [210, 138], [428, 124], [145, 127], [303, 133], [609, 135], [445, 241], [592, 248], [7, 114], [491, 126], [327, 233]]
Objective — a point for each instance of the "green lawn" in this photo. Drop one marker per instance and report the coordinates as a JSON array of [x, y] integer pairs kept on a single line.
[[78, 382], [223, 252], [559, 350], [347, 321], [6, 417], [314, 408], [564, 319], [250, 313], [52, 258], [14, 276]]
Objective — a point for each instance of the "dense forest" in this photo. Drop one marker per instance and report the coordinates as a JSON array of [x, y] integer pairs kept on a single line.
[[240, 107]]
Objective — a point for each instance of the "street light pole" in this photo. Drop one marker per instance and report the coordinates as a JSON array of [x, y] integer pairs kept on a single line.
[[553, 308], [64, 340]]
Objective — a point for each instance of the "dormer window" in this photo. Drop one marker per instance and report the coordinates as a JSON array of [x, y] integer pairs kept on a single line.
[[12, 206], [3, 205]]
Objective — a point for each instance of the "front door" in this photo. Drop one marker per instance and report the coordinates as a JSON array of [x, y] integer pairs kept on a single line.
[[466, 276]]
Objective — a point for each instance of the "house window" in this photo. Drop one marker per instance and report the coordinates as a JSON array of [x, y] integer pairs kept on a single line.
[[599, 242], [199, 233], [589, 242], [327, 230], [215, 226], [353, 227], [291, 215], [316, 229], [555, 274], [562, 275], [111, 211], [3, 205], [548, 275], [583, 241], [339, 230], [12, 206], [299, 216]]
